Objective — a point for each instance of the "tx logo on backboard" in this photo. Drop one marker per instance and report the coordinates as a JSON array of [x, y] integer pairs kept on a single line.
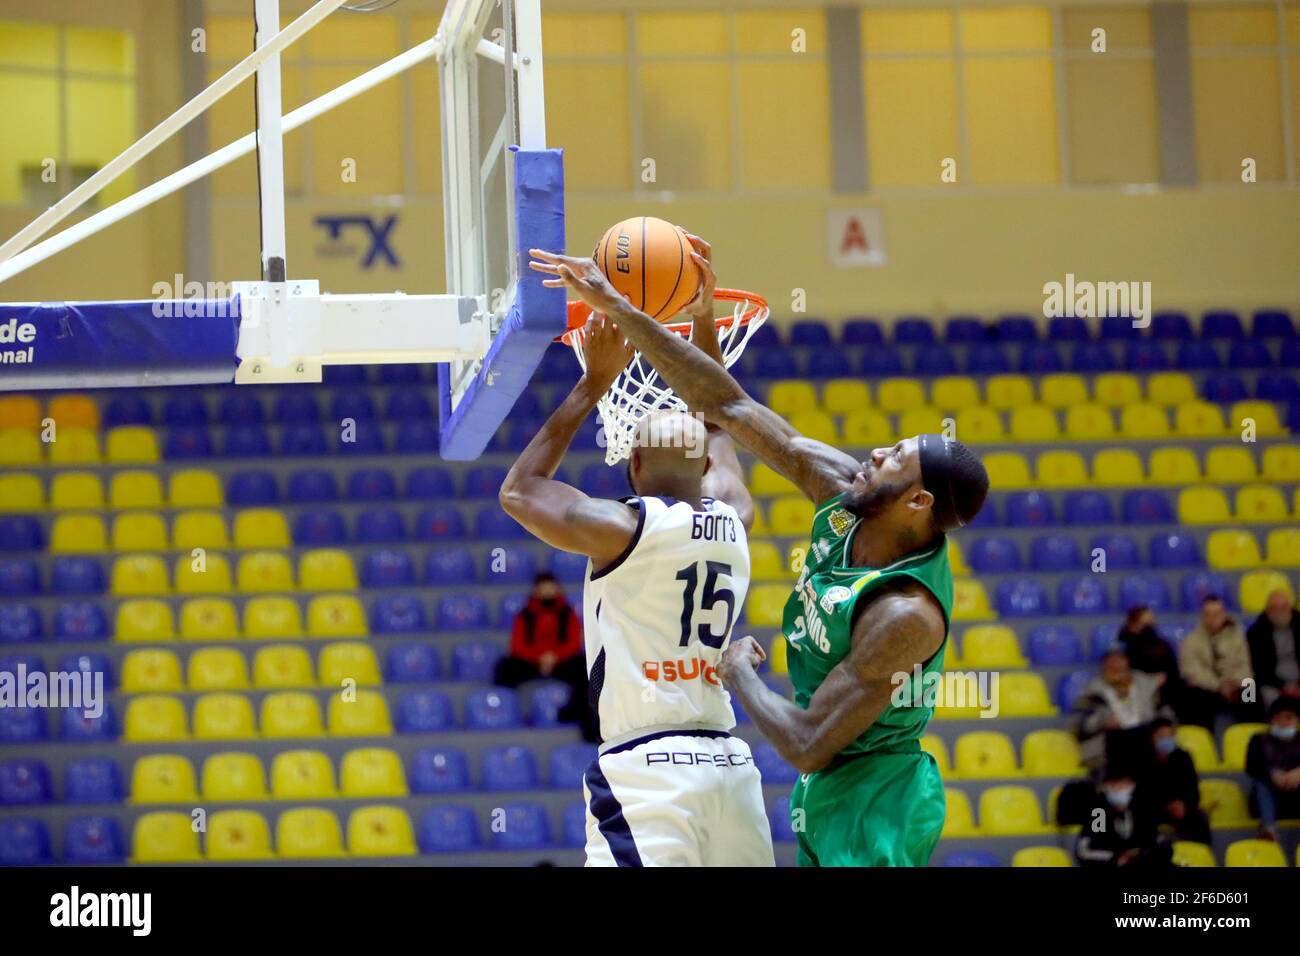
[[379, 231]]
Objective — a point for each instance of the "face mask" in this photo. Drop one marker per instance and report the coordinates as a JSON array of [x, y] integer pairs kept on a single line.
[[1166, 745], [1120, 797], [1282, 732]]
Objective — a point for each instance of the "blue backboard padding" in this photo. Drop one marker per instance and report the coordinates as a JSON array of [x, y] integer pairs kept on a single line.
[[115, 344], [538, 315]]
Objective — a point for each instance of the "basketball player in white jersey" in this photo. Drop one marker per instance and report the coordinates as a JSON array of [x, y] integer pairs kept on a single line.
[[668, 575]]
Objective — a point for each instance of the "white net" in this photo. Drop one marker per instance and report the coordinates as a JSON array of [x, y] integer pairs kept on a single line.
[[638, 390]]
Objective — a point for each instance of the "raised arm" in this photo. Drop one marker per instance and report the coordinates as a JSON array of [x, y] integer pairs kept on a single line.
[[893, 632], [817, 469], [553, 511]]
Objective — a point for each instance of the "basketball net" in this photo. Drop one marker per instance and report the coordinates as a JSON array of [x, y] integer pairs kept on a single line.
[[638, 389]]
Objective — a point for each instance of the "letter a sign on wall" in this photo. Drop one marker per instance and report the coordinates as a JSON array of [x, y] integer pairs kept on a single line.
[[856, 237]]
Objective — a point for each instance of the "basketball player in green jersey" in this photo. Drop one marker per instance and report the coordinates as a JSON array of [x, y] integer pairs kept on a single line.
[[868, 618]]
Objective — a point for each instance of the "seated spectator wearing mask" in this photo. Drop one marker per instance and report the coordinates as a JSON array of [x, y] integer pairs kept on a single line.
[[1171, 788], [1113, 714], [1273, 765], [1215, 663], [1147, 651], [1121, 830], [1274, 641]]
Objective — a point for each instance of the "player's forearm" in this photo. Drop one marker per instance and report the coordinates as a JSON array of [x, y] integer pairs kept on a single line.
[[547, 449], [786, 726]]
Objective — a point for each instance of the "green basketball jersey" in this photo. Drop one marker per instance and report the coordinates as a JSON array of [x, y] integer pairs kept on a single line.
[[818, 618]]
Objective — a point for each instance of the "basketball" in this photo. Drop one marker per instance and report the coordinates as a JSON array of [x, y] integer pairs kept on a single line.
[[649, 261]]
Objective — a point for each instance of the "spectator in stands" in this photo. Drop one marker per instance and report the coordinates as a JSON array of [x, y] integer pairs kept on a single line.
[[1273, 765], [1215, 664], [1121, 830], [1113, 715], [546, 641], [1147, 650], [1171, 787], [1274, 641]]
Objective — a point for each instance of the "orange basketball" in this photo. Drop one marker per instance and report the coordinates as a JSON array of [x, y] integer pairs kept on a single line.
[[649, 261]]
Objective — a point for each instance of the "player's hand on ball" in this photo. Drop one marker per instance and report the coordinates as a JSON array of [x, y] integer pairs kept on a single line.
[[582, 275], [606, 352], [743, 654], [701, 307]]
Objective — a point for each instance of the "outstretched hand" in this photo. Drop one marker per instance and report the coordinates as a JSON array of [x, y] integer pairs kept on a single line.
[[701, 307], [605, 351], [580, 274]]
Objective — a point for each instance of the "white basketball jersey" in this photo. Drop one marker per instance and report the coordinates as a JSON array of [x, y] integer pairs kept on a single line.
[[656, 620]]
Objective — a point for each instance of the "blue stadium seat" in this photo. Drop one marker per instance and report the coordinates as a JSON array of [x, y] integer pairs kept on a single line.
[[21, 533], [184, 444], [241, 409], [510, 566], [416, 438], [77, 725], [778, 814], [295, 406], [883, 361], [93, 780], [1271, 324], [601, 481], [398, 614], [484, 481], [246, 441], [424, 712], [443, 521], [355, 404], [1144, 589], [1277, 387], [1198, 585], [380, 526], [1064, 328], [1224, 387], [1145, 356], [474, 661], [19, 577], [1021, 597], [546, 702], [1091, 357], [1121, 551], [24, 781], [184, 410], [964, 330], [1083, 595], [516, 433], [1015, 328], [1221, 324], [767, 336], [1102, 641], [22, 725], [1055, 552], [77, 575], [311, 485], [987, 358], [528, 405], [771, 765], [462, 612], [24, 841], [430, 483], [387, 569], [927, 360], [913, 330], [861, 331], [439, 770], [407, 404], [20, 623], [345, 375], [567, 765], [449, 566], [11, 663], [509, 607], [401, 374], [1249, 354], [303, 440], [319, 528], [509, 768], [1118, 328], [80, 621], [1070, 686], [1290, 354], [1087, 508], [1174, 551], [1055, 645], [492, 709], [94, 839], [127, 409], [252, 489], [1171, 327], [569, 568], [993, 555], [575, 825], [828, 363], [1146, 507], [366, 437], [772, 363], [524, 827], [1039, 358], [970, 858], [491, 523], [90, 664], [1197, 356], [1029, 509], [372, 484], [448, 829], [412, 663], [810, 333]]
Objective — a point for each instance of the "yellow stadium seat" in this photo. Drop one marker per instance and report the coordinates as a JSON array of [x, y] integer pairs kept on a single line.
[[134, 444], [791, 515], [204, 573], [1011, 811], [239, 836], [960, 819], [233, 776], [208, 619], [289, 714], [261, 528], [953, 392], [1144, 421], [867, 428], [896, 395], [224, 717], [380, 831], [763, 480], [1254, 853], [195, 488], [20, 413], [1262, 416], [21, 492], [1203, 506], [1089, 422], [789, 397], [199, 529], [155, 717], [1235, 741], [1116, 389], [844, 395], [1050, 753], [1199, 744], [137, 575], [74, 446], [1256, 586], [163, 778], [1174, 466], [1229, 465], [139, 531], [1225, 802], [919, 420], [165, 838], [1034, 423], [985, 753], [135, 489], [372, 772], [991, 646], [1061, 469], [776, 655], [1260, 504], [1198, 419], [1282, 550], [933, 745], [70, 490], [1170, 388], [282, 666], [1230, 550], [145, 619], [272, 617], [1281, 463], [217, 668], [1038, 856], [151, 672], [308, 833], [766, 602], [957, 558], [302, 775], [1005, 392], [765, 562], [261, 572], [960, 699], [1117, 468], [349, 661], [970, 601], [363, 713], [817, 425], [1187, 853], [336, 615], [73, 411], [327, 569], [979, 425], [19, 448], [1024, 694], [1007, 469]]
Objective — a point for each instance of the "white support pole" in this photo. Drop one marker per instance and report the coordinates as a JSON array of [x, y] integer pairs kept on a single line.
[[222, 157], [160, 133], [270, 147], [528, 67]]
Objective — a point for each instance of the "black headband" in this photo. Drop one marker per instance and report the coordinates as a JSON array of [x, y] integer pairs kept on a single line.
[[935, 454]]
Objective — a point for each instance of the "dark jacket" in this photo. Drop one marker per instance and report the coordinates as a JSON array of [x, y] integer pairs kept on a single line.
[[1171, 779], [1116, 831], [1149, 652], [1263, 652], [1265, 753]]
